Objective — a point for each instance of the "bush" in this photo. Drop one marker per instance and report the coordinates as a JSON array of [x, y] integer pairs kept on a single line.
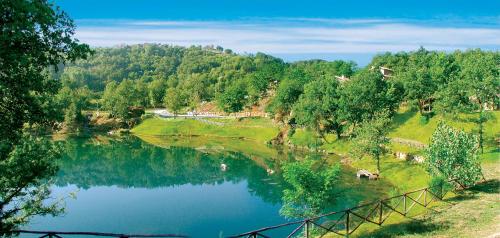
[[439, 186], [452, 154]]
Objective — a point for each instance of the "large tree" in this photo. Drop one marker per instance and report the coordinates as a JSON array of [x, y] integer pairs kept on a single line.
[[480, 74], [371, 138], [317, 107], [35, 35], [311, 189], [452, 154], [366, 94]]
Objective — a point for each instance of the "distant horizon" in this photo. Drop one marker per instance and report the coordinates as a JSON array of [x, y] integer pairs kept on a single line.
[[292, 30], [361, 59]]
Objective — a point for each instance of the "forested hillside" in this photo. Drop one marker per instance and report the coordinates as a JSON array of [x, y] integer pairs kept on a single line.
[[144, 75], [327, 97]]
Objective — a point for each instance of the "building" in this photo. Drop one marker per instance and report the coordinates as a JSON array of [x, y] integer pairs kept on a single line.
[[386, 72]]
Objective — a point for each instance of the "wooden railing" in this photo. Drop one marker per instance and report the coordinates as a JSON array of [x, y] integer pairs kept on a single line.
[[60, 234], [345, 222]]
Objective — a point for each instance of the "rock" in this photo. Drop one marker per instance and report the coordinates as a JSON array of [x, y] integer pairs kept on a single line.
[[367, 174], [363, 173], [223, 167], [418, 158], [401, 155], [270, 171]]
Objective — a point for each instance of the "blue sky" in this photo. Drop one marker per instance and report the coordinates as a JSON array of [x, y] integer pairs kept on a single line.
[[293, 30]]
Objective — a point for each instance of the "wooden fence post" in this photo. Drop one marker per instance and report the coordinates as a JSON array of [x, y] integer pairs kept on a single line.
[[404, 201], [307, 228], [347, 224], [425, 197], [380, 215]]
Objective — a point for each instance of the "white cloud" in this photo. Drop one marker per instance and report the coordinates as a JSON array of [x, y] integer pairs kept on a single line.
[[293, 36]]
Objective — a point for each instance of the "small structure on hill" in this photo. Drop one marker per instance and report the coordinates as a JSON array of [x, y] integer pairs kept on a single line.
[[386, 72], [487, 106], [426, 105], [342, 78], [223, 167]]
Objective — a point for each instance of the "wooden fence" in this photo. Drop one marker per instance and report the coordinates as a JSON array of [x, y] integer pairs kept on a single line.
[[60, 234], [345, 222]]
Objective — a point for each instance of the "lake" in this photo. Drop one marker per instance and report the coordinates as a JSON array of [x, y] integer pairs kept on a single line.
[[126, 185]]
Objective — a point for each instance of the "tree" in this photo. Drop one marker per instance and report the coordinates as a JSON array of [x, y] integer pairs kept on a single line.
[[119, 98], [174, 100], [417, 78], [233, 99], [371, 138], [452, 154], [157, 92], [317, 107], [367, 94], [311, 188], [72, 102], [35, 35], [480, 75]]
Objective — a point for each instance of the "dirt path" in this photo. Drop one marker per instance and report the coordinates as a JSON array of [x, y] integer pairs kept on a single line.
[[412, 143]]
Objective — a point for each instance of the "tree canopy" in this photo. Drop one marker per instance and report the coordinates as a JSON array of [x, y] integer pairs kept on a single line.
[[35, 35], [452, 154]]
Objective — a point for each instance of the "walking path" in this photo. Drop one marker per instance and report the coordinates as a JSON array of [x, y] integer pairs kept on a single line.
[[412, 143], [199, 117]]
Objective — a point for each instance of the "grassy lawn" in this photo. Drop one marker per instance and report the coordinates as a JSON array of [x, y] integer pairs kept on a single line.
[[471, 213], [259, 130], [408, 124]]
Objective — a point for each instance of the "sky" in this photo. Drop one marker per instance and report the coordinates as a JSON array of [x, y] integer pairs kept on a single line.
[[292, 30]]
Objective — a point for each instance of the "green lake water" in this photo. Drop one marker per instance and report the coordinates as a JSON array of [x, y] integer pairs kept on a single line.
[[129, 186]]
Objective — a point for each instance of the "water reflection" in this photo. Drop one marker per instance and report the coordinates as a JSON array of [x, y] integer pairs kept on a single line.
[[130, 162], [127, 185]]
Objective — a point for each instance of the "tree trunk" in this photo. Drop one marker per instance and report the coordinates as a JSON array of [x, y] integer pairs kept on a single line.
[[420, 106], [481, 121], [377, 157]]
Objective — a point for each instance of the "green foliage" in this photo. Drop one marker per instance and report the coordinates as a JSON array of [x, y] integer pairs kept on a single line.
[[35, 35], [199, 73], [371, 138], [288, 92], [118, 98], [301, 73], [452, 154], [439, 186], [156, 92], [317, 107], [233, 98], [311, 188], [72, 102], [365, 95], [33, 158], [174, 100]]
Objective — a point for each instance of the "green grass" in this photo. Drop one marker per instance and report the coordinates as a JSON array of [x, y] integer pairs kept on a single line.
[[482, 207], [407, 124], [470, 213], [260, 130]]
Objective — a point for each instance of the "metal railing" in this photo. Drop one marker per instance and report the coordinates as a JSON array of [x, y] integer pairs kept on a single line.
[[347, 221]]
